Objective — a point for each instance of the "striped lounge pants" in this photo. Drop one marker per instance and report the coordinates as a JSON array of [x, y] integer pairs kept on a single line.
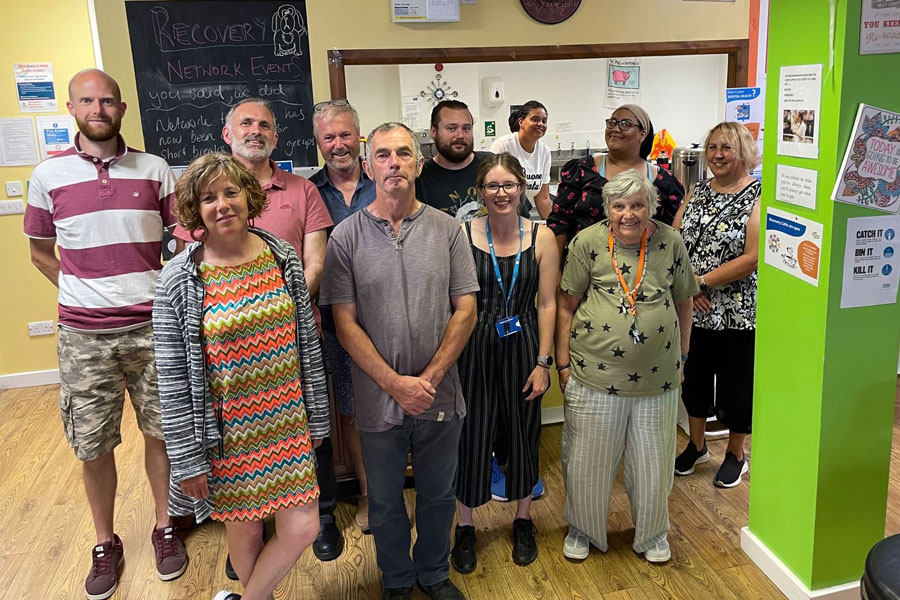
[[596, 430]]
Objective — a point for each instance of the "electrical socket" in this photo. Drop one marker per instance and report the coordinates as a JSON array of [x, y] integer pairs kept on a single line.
[[11, 207], [40, 328]]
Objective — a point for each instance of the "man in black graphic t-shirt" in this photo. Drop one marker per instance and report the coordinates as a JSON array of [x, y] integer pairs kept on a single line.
[[447, 181]]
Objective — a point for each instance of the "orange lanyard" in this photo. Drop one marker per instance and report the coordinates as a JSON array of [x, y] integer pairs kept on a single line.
[[630, 295]]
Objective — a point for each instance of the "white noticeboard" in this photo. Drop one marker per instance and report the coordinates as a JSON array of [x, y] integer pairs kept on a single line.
[[799, 98], [879, 27], [870, 173], [871, 261], [793, 245], [424, 11]]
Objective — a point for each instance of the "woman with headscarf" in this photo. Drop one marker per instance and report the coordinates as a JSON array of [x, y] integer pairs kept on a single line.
[[579, 198]]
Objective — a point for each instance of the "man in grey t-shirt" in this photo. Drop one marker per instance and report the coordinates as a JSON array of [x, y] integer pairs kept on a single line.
[[401, 281]]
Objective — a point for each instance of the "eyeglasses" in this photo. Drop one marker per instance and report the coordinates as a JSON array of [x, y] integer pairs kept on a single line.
[[624, 124], [494, 188], [320, 106]]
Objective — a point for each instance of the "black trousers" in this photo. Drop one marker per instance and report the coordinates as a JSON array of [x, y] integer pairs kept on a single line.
[[326, 477]]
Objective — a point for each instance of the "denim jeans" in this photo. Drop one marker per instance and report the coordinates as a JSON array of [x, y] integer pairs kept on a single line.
[[434, 447]]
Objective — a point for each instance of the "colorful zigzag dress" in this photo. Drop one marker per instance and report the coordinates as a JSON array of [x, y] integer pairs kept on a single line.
[[264, 463]]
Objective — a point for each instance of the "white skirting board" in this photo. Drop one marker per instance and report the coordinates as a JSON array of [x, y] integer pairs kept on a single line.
[[29, 379], [785, 580]]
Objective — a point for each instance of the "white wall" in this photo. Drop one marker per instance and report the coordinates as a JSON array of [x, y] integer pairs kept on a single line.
[[684, 94]]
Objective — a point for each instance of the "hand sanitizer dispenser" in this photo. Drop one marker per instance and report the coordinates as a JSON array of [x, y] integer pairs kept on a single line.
[[492, 92]]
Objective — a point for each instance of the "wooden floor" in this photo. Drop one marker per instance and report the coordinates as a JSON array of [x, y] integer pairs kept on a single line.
[[46, 532]]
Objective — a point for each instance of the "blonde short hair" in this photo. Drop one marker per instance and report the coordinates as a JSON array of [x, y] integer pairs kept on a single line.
[[741, 140], [202, 170]]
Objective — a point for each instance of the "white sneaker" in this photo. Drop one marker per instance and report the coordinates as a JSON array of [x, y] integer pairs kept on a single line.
[[659, 553], [226, 595], [576, 545]]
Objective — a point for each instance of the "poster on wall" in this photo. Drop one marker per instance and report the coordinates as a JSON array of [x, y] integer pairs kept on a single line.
[[871, 261], [623, 82], [870, 173], [34, 86], [747, 106], [424, 11], [793, 245], [799, 98], [879, 27], [796, 186], [55, 134], [17, 145]]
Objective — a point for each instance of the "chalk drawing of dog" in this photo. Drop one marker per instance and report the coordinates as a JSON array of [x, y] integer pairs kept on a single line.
[[287, 23]]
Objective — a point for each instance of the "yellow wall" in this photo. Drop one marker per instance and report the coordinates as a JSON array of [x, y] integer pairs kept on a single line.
[[58, 32], [65, 41]]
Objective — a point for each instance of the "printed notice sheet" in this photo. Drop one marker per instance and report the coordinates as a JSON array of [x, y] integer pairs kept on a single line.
[[799, 98], [747, 106], [424, 11], [871, 261], [879, 27], [870, 173], [55, 134], [797, 186], [793, 245], [17, 144], [34, 85]]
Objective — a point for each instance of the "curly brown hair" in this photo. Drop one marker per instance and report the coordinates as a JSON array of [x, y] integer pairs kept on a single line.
[[190, 186]]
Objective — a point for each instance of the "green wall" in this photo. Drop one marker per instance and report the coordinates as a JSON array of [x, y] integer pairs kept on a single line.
[[825, 377]]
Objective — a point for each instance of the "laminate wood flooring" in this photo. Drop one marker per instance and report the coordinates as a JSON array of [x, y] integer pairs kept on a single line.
[[46, 530]]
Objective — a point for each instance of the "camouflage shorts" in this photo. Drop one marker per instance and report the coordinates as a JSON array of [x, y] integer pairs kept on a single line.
[[94, 371]]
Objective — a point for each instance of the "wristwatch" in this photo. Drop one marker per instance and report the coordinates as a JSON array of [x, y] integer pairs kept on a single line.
[[545, 361], [703, 286]]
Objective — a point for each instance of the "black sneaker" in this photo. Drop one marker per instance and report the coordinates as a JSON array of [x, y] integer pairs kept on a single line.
[[444, 590], [689, 458], [525, 549], [730, 472], [401, 593], [462, 557]]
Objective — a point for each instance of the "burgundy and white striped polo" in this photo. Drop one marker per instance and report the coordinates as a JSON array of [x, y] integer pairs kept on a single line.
[[107, 217]]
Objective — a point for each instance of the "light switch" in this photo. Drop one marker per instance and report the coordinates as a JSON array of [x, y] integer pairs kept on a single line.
[[13, 189]]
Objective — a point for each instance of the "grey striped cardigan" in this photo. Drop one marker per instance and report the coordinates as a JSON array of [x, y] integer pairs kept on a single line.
[[188, 419]]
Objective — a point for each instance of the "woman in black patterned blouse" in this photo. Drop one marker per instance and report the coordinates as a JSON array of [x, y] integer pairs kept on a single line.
[[720, 227], [579, 198]]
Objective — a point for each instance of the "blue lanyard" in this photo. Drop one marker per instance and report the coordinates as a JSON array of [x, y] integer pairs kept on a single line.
[[515, 274]]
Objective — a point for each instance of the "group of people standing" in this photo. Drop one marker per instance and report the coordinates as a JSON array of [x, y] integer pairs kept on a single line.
[[438, 328]]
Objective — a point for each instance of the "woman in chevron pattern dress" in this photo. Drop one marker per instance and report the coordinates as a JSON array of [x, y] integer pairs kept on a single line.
[[242, 384]]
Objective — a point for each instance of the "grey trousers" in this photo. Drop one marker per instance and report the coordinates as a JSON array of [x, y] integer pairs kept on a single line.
[[596, 430], [434, 449]]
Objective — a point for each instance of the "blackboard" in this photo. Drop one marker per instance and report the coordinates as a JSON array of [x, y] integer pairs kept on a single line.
[[193, 60]]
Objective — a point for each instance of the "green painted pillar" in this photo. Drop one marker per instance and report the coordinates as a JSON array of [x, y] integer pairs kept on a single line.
[[825, 377]]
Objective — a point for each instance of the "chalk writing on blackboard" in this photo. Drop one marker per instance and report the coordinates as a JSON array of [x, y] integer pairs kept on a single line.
[[194, 59]]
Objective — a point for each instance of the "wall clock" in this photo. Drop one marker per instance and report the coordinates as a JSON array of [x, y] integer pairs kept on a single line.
[[550, 12]]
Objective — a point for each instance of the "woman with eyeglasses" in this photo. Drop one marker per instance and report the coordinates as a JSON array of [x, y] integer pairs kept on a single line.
[[528, 125], [505, 368], [579, 198]]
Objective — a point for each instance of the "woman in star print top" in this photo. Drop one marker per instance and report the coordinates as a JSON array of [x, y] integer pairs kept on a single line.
[[579, 197], [622, 330], [720, 226]]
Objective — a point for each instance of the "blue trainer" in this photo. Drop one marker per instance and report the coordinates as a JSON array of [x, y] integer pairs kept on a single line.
[[498, 482], [538, 490]]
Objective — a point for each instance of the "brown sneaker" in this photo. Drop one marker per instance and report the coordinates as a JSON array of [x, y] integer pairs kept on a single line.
[[103, 579], [171, 557]]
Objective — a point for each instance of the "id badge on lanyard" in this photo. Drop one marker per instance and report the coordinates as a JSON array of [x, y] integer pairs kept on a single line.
[[509, 325]]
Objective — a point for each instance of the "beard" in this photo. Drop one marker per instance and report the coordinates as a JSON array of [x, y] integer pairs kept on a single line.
[[99, 132], [242, 149], [342, 162], [450, 153]]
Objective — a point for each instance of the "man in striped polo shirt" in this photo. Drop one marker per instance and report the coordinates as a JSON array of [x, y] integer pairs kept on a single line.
[[104, 206]]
